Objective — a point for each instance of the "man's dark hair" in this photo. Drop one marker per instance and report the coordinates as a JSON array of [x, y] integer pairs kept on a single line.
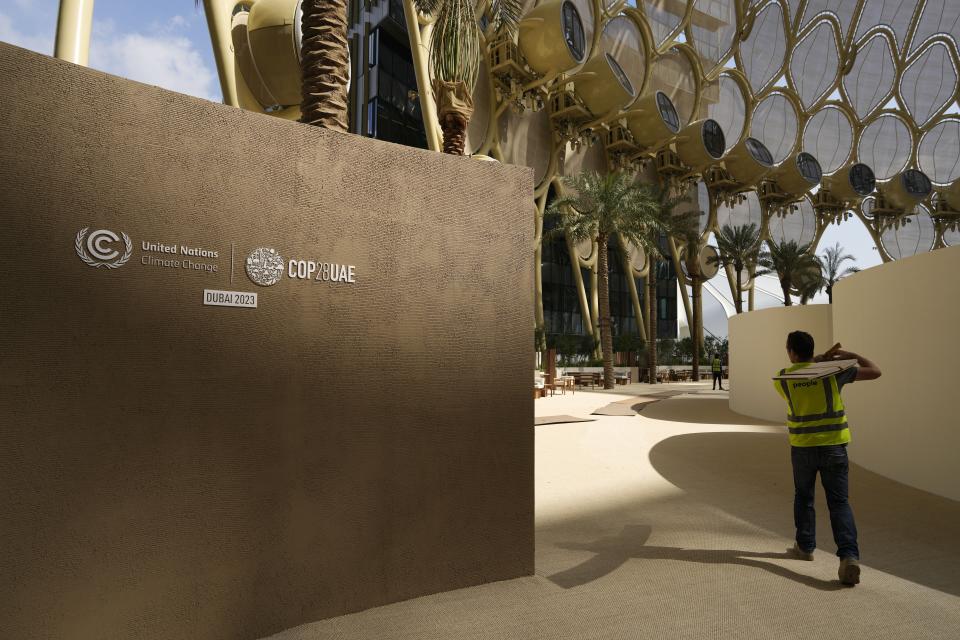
[[801, 343]]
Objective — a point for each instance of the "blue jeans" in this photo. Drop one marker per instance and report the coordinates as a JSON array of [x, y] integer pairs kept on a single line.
[[831, 462]]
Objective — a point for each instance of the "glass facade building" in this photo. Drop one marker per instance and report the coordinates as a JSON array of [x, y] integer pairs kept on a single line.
[[384, 99]]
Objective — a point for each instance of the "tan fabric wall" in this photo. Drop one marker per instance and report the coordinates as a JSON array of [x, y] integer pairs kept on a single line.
[[905, 316], [758, 351], [175, 470], [902, 315]]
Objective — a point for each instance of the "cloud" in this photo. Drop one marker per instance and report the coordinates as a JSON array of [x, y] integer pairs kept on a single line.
[[161, 57], [164, 60], [38, 43]]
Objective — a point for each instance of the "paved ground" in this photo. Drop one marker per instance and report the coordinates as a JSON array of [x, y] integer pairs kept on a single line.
[[674, 524]]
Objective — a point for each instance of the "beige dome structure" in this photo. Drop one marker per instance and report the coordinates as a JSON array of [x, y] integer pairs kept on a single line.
[[825, 111]]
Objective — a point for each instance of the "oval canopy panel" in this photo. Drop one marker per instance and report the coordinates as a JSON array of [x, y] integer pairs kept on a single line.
[[939, 152], [664, 17], [775, 125], [885, 146], [723, 101], [745, 212], [799, 225], [713, 28], [828, 135], [763, 52], [621, 39], [672, 74], [526, 139], [814, 64], [913, 238]]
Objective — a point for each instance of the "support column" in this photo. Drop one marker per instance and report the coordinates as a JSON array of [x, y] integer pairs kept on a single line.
[[219, 17], [73, 31]]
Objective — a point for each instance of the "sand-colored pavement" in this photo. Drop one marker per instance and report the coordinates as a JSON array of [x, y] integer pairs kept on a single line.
[[674, 523]]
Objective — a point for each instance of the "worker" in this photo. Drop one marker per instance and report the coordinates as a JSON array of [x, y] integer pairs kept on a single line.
[[819, 434], [717, 367]]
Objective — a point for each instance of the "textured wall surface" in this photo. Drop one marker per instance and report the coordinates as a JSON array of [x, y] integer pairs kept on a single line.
[[758, 351], [905, 316], [175, 470]]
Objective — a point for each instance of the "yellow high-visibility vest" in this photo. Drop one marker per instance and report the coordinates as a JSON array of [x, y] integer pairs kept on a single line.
[[717, 366], [816, 416]]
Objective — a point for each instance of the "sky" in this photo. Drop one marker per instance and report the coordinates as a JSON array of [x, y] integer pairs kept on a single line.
[[160, 43], [167, 44]]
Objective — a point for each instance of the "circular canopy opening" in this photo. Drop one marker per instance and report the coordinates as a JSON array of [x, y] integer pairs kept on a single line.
[[759, 152], [809, 167], [668, 112], [621, 76], [713, 138], [916, 183], [573, 30], [862, 179]]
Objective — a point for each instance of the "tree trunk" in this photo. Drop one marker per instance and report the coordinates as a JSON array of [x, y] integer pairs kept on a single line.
[[603, 293], [654, 310], [738, 301], [324, 64], [830, 293], [695, 328], [454, 108], [785, 285]]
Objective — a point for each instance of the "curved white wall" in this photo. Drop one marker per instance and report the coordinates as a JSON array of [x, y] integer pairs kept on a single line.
[[758, 351], [905, 316]]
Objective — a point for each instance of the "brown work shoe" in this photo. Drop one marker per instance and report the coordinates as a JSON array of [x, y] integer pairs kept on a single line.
[[799, 553], [849, 572]]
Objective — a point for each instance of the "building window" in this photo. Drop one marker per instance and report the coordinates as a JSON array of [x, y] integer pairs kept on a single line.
[[372, 118]]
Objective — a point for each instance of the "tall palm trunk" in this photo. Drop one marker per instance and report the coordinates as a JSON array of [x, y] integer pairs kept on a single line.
[[324, 64], [738, 302], [695, 327], [692, 258], [830, 293], [785, 286], [603, 293], [454, 107], [455, 54], [652, 320]]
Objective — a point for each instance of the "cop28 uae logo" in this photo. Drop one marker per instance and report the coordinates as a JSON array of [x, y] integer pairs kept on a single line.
[[94, 248], [264, 266]]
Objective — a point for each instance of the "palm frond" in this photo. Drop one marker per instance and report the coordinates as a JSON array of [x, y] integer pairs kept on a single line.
[[455, 48], [832, 263], [737, 244], [506, 14], [427, 7], [613, 203]]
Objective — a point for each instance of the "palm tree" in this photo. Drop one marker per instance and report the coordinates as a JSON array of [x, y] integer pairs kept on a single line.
[[598, 207], [808, 283], [738, 248], [692, 262], [324, 64], [455, 54], [663, 222], [790, 261], [831, 263]]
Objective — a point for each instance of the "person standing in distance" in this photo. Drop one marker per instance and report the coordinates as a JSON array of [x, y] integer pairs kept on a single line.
[[717, 368], [819, 434]]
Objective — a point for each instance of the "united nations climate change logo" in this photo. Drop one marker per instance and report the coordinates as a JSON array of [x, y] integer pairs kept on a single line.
[[91, 248], [265, 266]]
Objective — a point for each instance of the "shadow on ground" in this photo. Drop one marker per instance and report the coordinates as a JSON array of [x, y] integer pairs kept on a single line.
[[612, 552], [906, 532], [701, 409]]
